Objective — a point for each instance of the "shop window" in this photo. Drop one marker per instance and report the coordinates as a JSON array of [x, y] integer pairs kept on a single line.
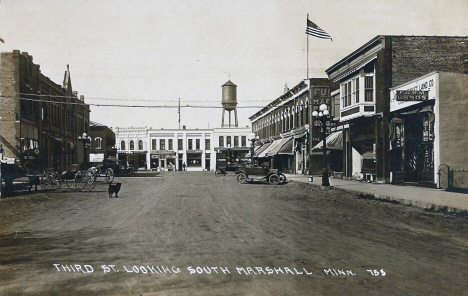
[[140, 145], [132, 145], [122, 145]]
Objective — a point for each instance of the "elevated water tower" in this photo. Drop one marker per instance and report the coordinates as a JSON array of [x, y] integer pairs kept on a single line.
[[229, 101]]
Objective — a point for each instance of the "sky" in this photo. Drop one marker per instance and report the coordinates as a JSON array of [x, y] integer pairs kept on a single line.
[[153, 53]]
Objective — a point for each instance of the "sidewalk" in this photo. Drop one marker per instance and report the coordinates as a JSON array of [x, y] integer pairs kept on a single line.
[[427, 198]]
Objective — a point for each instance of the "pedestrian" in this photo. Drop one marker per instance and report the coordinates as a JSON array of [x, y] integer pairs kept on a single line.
[[184, 166]]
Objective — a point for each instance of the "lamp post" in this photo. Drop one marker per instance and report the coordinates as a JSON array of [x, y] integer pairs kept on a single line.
[[85, 139], [252, 139], [323, 116]]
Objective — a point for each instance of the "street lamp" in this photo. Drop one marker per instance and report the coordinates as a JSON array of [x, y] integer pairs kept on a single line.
[[252, 139], [85, 139], [323, 116]]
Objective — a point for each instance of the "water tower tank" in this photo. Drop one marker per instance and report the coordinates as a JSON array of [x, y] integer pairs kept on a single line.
[[229, 101]]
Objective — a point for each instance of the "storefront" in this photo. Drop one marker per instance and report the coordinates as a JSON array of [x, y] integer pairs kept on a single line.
[[426, 128]]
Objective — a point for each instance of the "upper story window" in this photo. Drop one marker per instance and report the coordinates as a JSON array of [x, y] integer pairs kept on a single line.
[[98, 142], [180, 144], [140, 145], [132, 145], [190, 144], [221, 141], [236, 141], [153, 145], [228, 141], [369, 88], [162, 144], [207, 144], [122, 145], [244, 141], [171, 145]]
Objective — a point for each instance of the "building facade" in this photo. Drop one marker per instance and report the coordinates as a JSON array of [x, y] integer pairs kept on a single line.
[[41, 120], [170, 149], [365, 77], [427, 129], [285, 128], [102, 143]]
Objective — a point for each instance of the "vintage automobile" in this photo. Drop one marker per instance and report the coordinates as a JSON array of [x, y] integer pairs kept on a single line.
[[233, 168], [249, 174]]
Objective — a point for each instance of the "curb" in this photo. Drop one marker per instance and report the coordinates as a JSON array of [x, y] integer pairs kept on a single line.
[[391, 199]]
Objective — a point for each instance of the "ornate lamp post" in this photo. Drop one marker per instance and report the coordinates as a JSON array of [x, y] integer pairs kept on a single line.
[[323, 116], [86, 140], [252, 139]]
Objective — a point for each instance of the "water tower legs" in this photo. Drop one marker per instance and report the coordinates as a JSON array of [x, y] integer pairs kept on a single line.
[[235, 118]]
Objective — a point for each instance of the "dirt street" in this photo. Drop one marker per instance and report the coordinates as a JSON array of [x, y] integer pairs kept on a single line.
[[187, 233]]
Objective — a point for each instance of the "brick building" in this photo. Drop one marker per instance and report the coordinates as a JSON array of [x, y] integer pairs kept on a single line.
[[40, 119], [102, 143], [366, 76], [286, 130]]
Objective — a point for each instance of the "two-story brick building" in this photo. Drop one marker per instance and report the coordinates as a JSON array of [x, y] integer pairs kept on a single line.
[[366, 77], [40, 119]]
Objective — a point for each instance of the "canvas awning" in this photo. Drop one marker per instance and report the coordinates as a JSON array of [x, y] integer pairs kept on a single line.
[[275, 147], [259, 153], [334, 142], [287, 148], [255, 151]]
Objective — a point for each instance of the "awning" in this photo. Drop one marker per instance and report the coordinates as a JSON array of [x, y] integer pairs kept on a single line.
[[274, 147], [255, 151], [259, 152], [287, 148], [334, 142]]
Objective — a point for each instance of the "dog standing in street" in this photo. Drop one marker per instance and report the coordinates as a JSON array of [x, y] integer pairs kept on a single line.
[[114, 188]]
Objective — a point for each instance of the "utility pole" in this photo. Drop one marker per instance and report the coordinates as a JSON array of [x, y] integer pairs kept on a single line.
[[1, 147]]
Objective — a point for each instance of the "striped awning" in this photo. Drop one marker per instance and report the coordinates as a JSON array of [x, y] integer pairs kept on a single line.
[[334, 142], [259, 153], [255, 150], [287, 148], [275, 147]]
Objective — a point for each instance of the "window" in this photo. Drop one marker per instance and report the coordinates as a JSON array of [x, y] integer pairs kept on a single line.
[[153, 145], [228, 141], [122, 145], [197, 144], [207, 144], [221, 141], [140, 145], [98, 143], [244, 141], [236, 141], [132, 145], [356, 89], [180, 144], [190, 144], [162, 144], [171, 146], [369, 88]]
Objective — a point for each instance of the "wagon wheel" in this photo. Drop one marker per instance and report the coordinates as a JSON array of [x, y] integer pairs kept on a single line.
[[241, 178], [80, 181], [45, 181], [282, 178], [90, 180], [109, 175], [55, 181], [274, 179], [218, 173]]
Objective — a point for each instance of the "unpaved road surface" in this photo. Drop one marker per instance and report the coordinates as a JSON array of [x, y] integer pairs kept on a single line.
[[187, 233]]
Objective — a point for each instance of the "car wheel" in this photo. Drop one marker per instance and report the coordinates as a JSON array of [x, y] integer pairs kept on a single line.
[[241, 178]]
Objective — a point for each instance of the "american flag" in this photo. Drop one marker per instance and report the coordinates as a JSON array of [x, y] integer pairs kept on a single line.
[[316, 31]]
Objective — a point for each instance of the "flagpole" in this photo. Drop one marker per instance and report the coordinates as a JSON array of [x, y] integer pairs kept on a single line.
[[179, 113], [307, 50]]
